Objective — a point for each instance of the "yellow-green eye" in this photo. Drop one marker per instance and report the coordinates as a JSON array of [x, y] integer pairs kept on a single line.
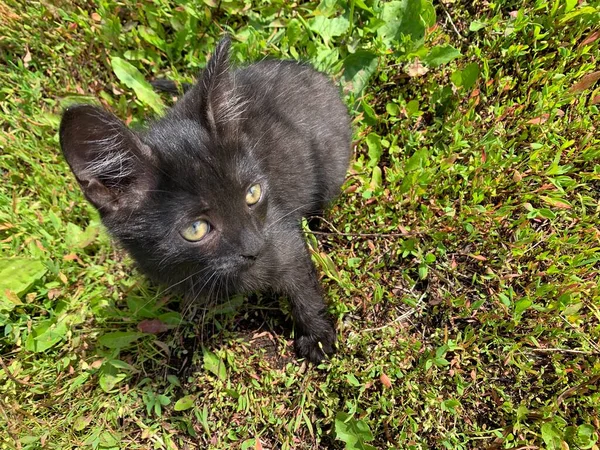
[[196, 230], [253, 194]]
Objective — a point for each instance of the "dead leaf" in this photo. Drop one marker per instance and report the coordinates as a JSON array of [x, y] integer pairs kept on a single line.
[[73, 257], [416, 69], [39, 245], [595, 100], [97, 364], [26, 58], [478, 257], [513, 14], [54, 293], [63, 278], [586, 82], [96, 17], [556, 203], [258, 445], [590, 39], [12, 297], [403, 230], [371, 246], [385, 380], [152, 326], [517, 176], [538, 120]]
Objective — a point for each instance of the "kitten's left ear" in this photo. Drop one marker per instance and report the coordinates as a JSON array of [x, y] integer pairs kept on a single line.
[[220, 104]]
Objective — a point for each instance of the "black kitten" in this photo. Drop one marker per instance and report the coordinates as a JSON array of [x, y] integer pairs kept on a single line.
[[210, 197]]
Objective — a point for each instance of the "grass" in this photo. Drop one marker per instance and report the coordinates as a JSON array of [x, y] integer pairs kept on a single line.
[[461, 262]]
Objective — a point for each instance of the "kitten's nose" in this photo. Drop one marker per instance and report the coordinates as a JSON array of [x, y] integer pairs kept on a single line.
[[251, 253], [253, 245]]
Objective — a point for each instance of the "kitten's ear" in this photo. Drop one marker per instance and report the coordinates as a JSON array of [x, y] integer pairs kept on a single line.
[[110, 163], [220, 104]]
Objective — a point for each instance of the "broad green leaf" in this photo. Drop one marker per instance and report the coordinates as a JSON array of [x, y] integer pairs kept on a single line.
[[469, 75], [375, 148], [75, 237], [585, 10], [586, 436], [402, 18], [328, 28], [184, 403], [150, 36], [82, 422], [46, 334], [352, 380], [477, 25], [361, 4], [428, 13], [392, 109], [213, 364], [417, 160], [520, 307], [412, 108], [133, 79], [354, 432], [110, 377], [118, 364], [294, 31], [551, 436], [17, 275], [109, 439], [376, 178], [329, 266], [569, 5], [358, 69], [119, 339], [441, 55], [142, 307], [163, 399]]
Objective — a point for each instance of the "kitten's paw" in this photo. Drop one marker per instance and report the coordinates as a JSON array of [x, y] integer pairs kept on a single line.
[[316, 347]]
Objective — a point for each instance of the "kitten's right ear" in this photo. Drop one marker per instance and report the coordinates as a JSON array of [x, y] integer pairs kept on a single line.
[[109, 161]]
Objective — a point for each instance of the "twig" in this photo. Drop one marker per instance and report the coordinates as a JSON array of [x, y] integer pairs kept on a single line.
[[573, 390], [450, 20], [401, 317], [337, 232], [589, 341], [560, 350], [12, 377], [371, 235]]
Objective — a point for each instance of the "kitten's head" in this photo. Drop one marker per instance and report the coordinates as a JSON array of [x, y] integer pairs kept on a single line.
[[185, 197]]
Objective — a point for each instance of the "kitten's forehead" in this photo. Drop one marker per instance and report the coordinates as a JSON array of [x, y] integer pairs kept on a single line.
[[192, 159]]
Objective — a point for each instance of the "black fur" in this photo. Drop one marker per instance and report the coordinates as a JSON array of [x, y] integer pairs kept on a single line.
[[277, 123]]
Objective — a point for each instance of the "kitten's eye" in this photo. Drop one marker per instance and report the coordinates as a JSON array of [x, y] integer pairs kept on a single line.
[[196, 230], [253, 194]]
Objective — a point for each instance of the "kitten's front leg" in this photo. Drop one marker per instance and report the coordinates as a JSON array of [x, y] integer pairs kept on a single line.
[[315, 334]]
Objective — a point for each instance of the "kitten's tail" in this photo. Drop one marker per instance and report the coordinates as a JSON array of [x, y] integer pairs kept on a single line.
[[169, 86]]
